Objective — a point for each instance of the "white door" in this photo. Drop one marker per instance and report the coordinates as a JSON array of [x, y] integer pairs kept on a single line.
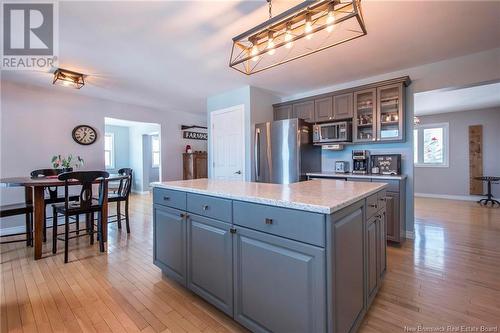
[[228, 143]]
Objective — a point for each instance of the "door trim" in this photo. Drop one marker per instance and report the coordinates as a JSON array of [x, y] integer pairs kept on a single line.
[[241, 108]]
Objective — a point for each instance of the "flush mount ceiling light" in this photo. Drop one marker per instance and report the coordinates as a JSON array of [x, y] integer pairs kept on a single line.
[[307, 28], [67, 78]]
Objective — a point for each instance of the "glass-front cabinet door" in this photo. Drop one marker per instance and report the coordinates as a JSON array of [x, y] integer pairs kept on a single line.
[[365, 116], [390, 112]]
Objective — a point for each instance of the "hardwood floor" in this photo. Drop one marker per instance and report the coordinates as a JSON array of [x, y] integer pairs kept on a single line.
[[450, 275]]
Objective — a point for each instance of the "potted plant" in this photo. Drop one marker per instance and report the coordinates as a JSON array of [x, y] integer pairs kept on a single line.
[[66, 164]]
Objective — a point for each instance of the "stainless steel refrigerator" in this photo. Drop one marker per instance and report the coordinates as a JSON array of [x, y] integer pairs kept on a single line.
[[283, 151]]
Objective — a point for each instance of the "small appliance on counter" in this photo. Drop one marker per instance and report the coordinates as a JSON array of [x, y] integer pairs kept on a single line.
[[360, 161], [341, 166], [389, 164]]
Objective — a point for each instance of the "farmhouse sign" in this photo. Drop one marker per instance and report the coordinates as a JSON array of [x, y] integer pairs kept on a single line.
[[194, 135]]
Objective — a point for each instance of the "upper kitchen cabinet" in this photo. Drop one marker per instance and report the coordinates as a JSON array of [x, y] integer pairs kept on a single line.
[[342, 106], [365, 116], [304, 110], [323, 109], [283, 112], [377, 110], [390, 112]]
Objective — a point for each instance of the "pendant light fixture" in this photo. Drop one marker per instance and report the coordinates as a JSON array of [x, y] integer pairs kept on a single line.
[[67, 78], [307, 28]]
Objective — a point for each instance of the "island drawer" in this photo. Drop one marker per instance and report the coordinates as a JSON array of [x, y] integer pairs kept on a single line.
[[302, 226], [382, 197], [372, 205], [216, 208], [393, 184], [171, 198]]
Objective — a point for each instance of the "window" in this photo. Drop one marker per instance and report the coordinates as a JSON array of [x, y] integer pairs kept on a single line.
[[109, 150], [431, 145], [155, 150]]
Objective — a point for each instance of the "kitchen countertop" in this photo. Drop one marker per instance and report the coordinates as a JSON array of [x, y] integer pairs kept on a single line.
[[320, 196], [352, 175]]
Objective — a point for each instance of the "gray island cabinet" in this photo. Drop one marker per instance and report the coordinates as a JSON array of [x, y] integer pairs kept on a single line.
[[276, 258]]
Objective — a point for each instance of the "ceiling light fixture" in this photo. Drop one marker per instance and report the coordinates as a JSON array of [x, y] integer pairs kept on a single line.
[[331, 22], [67, 78]]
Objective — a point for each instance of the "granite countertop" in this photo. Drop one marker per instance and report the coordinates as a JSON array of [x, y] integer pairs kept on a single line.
[[320, 196], [353, 175]]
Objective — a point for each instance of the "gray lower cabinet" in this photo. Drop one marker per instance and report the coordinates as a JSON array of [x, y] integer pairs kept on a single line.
[[349, 270], [209, 259], [372, 249], [376, 252], [382, 243], [274, 269], [169, 251], [279, 284]]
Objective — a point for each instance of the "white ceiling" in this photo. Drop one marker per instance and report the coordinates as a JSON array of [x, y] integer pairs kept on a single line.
[[171, 55], [461, 99]]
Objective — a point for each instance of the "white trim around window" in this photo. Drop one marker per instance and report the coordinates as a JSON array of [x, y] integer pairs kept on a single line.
[[155, 151], [111, 152], [419, 144]]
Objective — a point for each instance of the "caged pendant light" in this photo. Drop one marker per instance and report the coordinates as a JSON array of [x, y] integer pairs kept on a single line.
[[307, 28]]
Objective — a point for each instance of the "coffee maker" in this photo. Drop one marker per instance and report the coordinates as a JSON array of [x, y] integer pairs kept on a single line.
[[360, 161]]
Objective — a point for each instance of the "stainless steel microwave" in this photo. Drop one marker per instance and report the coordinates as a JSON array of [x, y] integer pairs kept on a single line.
[[340, 131]]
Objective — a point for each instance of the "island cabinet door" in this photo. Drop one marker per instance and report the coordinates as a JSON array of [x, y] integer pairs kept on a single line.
[[349, 282], [210, 260], [382, 243], [279, 284], [170, 242], [372, 249]]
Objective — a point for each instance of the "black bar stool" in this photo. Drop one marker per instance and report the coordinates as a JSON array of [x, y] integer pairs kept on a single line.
[[85, 205]]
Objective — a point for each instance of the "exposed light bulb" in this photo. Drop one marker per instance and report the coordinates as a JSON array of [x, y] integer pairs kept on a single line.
[[288, 38], [330, 20], [254, 52], [308, 27], [270, 44]]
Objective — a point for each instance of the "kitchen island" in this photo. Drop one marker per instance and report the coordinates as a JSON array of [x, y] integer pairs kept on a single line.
[[302, 257]]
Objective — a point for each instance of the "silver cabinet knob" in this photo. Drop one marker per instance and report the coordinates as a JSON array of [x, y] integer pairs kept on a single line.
[[205, 207], [269, 221]]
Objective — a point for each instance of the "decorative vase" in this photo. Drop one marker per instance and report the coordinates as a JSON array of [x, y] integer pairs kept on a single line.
[[63, 170]]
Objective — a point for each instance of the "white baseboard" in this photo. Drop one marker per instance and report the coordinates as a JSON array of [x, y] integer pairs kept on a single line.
[[410, 235], [12, 230], [141, 192], [450, 197]]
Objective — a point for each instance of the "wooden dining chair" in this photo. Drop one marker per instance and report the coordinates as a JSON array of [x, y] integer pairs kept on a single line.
[[122, 195], [26, 209], [53, 196], [86, 204]]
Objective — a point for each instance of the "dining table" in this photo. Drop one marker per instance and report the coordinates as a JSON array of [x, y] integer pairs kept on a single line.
[[35, 195]]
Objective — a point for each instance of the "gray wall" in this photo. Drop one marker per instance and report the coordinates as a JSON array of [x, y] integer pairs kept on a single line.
[[258, 108], [454, 180], [121, 145]]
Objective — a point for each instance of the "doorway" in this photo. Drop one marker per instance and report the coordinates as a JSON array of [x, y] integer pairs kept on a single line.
[[227, 144], [136, 145]]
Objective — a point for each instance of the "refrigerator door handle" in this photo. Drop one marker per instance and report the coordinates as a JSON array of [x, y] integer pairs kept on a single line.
[[257, 153]]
